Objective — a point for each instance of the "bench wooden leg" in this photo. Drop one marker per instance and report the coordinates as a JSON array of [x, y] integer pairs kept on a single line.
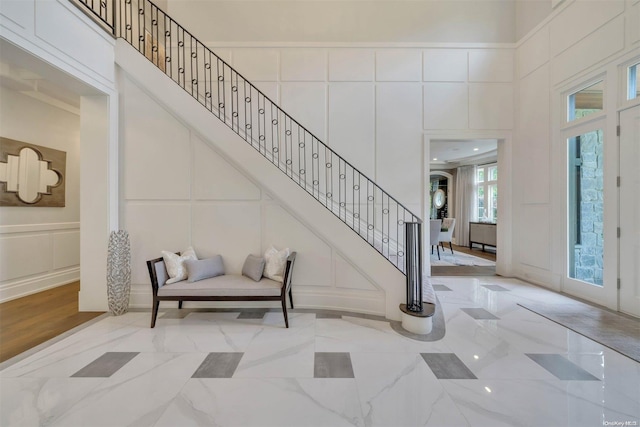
[[154, 313], [284, 310], [291, 298]]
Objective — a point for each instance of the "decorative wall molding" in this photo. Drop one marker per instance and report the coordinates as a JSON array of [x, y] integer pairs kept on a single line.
[[32, 285], [382, 45], [32, 228]]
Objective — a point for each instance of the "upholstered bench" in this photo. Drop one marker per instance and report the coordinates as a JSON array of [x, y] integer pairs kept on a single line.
[[228, 287]]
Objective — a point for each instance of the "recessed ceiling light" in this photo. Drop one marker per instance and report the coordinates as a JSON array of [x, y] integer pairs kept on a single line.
[[475, 149], [488, 389], [435, 158]]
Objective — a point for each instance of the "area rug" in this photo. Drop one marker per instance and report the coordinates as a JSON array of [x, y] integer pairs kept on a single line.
[[619, 332], [459, 258]]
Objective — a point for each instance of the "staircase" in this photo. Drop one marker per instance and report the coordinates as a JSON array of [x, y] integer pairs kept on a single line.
[[361, 204]]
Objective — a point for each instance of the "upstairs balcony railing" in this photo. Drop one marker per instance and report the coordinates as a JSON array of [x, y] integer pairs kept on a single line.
[[334, 182]]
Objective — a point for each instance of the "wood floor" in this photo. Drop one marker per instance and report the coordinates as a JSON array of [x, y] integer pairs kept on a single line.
[[467, 270], [31, 320]]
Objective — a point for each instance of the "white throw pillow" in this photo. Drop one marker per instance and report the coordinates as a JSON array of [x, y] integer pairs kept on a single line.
[[275, 262], [176, 264]]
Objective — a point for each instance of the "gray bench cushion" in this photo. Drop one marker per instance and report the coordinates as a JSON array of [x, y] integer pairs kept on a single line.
[[230, 285]]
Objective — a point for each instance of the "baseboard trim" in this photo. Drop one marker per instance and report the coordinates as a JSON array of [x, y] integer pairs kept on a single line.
[[37, 284], [365, 302]]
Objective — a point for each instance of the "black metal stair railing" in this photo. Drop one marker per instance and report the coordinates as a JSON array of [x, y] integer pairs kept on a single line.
[[354, 198]]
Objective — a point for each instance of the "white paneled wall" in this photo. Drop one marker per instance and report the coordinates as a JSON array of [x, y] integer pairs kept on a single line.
[[398, 65], [306, 103], [445, 65], [373, 105], [446, 106], [351, 114], [534, 145], [205, 201], [40, 247], [38, 257], [577, 22], [581, 40], [594, 48], [490, 106], [399, 140], [304, 65], [347, 65]]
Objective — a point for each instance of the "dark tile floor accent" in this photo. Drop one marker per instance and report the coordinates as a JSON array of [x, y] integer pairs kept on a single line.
[[617, 331], [447, 366], [496, 288], [252, 315], [105, 365], [332, 365], [479, 314], [561, 367], [441, 288], [218, 365]]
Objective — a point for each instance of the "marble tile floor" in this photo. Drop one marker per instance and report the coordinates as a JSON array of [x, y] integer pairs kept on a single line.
[[217, 368]]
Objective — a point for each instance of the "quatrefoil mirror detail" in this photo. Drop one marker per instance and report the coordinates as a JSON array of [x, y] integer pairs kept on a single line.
[[31, 175]]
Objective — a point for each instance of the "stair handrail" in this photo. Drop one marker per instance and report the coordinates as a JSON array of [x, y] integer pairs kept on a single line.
[[145, 30]]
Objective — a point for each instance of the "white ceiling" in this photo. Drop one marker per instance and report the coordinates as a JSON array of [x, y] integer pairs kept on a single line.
[[27, 74], [451, 153]]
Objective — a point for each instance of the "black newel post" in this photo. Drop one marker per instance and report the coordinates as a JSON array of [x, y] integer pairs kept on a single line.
[[413, 265]]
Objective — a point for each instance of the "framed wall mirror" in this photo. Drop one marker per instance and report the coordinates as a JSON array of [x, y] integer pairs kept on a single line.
[[31, 175]]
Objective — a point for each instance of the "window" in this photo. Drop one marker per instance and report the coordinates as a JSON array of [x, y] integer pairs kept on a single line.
[[584, 102], [487, 192], [633, 82], [585, 207]]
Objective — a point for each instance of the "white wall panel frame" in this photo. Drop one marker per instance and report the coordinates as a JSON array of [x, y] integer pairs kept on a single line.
[[398, 65], [491, 106], [229, 229], [314, 265], [16, 14], [14, 263], [596, 47], [399, 140], [445, 65], [491, 65], [582, 19], [352, 124], [534, 136], [87, 44], [446, 105], [66, 249], [155, 226], [303, 65], [533, 53], [212, 175], [633, 24], [351, 65], [257, 64], [306, 102]]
